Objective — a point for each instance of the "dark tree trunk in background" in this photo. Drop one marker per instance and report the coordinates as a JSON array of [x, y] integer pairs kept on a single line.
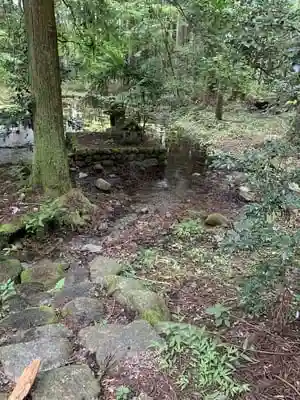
[[219, 105], [50, 165]]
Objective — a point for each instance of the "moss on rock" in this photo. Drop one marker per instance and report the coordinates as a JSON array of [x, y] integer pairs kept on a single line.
[[149, 305], [45, 271], [216, 219], [29, 318], [8, 230], [121, 284], [10, 268]]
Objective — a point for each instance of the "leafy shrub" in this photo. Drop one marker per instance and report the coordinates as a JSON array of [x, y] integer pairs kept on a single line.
[[50, 212], [259, 229]]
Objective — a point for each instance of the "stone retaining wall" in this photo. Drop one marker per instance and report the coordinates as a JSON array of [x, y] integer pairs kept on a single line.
[[119, 158]]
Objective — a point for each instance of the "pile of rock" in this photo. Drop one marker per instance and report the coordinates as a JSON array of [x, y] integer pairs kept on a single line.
[[36, 328]]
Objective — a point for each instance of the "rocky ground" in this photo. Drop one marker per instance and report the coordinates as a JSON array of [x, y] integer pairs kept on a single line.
[[91, 305]]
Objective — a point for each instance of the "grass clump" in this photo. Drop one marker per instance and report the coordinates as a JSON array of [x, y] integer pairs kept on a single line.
[[194, 358]]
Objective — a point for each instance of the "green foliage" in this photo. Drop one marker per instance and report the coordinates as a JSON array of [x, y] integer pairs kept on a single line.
[[147, 257], [50, 213], [259, 230], [192, 356], [7, 290], [122, 393], [220, 313], [59, 285], [188, 229]]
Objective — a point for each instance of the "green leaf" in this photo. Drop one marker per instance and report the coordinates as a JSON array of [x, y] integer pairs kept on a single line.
[[60, 284]]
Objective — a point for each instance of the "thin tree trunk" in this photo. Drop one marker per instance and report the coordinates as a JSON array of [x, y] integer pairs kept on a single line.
[[50, 166], [219, 105], [294, 131]]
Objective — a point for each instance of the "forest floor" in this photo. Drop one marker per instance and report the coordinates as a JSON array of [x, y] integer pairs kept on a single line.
[[151, 231]]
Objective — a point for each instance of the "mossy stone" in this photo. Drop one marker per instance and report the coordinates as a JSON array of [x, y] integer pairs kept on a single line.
[[216, 219], [29, 318], [152, 316], [149, 305], [116, 283], [8, 228], [10, 268], [45, 271]]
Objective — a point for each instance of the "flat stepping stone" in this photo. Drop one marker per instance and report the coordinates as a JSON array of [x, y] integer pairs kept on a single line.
[[34, 294], [73, 382], [117, 342], [15, 303], [40, 299], [29, 318], [53, 353], [27, 289], [9, 269], [83, 310], [44, 271], [84, 289], [41, 332], [103, 266], [76, 274]]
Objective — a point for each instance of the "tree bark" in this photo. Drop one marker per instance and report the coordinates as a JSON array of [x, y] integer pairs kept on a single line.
[[50, 165], [294, 131], [219, 105]]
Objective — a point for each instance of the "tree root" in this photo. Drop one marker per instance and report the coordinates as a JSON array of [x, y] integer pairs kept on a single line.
[[78, 210]]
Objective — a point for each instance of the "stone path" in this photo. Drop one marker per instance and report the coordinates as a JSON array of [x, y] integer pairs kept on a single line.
[[58, 309]]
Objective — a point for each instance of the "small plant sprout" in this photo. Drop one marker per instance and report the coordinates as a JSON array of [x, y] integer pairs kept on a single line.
[[122, 393], [220, 313], [188, 229]]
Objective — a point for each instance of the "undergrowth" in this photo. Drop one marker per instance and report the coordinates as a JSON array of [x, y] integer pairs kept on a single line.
[[194, 358], [7, 290], [264, 228]]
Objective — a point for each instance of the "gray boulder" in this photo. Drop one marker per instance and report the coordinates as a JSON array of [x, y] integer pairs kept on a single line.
[[53, 353], [29, 318], [73, 382], [9, 269], [83, 310], [29, 289], [103, 185], [84, 289], [76, 274], [15, 303], [115, 283], [102, 266], [117, 342], [41, 332], [45, 271]]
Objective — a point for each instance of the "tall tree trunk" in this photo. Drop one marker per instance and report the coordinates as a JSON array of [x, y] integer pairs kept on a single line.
[[50, 165]]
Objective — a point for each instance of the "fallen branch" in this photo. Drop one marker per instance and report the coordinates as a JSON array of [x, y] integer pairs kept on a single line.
[[26, 381], [288, 384]]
